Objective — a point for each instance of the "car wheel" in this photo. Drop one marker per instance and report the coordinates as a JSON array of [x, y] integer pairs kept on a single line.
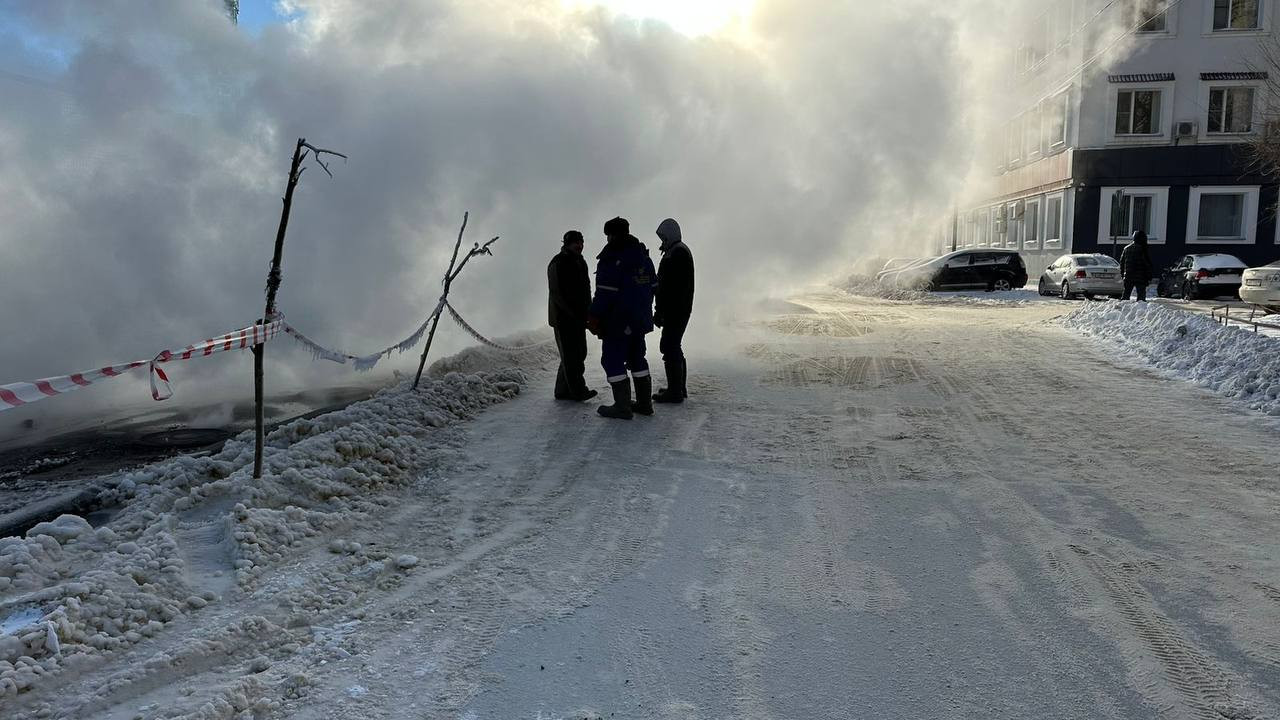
[[1042, 288], [1162, 290], [1001, 285], [1066, 291]]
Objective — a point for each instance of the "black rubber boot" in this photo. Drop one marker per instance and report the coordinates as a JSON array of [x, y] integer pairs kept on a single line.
[[644, 403], [621, 407], [586, 395], [672, 394]]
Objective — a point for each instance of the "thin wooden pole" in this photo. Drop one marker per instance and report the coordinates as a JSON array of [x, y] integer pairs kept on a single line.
[[448, 280], [273, 285]]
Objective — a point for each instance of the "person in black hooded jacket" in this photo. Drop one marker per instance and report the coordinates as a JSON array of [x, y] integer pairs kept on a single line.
[[674, 307], [1135, 266]]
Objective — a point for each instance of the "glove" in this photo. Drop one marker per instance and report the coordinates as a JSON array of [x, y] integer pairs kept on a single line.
[[593, 325]]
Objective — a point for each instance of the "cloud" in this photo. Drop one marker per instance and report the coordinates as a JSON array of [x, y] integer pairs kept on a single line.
[[143, 165]]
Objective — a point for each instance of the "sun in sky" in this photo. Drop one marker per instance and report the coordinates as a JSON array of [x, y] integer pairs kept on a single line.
[[692, 17]]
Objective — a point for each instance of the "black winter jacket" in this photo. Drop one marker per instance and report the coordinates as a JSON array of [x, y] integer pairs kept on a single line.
[[569, 291], [1135, 263], [674, 301]]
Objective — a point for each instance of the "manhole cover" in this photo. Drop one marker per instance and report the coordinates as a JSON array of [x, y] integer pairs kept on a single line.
[[185, 438]]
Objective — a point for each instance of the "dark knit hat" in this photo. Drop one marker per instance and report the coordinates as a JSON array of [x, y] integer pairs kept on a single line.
[[573, 236], [1139, 237], [617, 226]]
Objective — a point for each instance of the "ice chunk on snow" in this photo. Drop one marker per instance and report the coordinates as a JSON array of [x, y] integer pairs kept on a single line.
[[63, 529], [19, 620], [51, 639], [404, 562]]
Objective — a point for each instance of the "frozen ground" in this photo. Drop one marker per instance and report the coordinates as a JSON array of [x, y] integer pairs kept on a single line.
[[872, 508]]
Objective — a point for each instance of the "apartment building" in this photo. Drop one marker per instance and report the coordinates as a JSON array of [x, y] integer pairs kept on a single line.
[[1156, 141]]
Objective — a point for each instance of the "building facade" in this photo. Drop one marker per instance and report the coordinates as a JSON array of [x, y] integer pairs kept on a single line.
[[1159, 141]]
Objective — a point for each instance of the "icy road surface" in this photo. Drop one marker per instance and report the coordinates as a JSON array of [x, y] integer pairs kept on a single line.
[[871, 510]]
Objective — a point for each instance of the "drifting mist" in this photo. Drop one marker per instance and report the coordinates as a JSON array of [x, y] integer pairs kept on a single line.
[[143, 147]]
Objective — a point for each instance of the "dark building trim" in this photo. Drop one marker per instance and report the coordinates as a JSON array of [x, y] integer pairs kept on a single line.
[[1179, 169], [1233, 76], [1141, 78]]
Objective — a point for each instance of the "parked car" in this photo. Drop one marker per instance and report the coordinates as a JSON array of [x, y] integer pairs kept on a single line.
[[895, 264], [1203, 275], [1261, 286], [982, 269], [1082, 274]]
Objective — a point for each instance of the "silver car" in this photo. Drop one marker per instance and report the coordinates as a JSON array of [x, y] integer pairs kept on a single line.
[[1261, 286], [1089, 275]]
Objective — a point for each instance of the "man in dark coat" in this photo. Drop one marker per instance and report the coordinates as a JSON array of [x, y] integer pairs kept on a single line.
[[569, 299], [1135, 266], [674, 307], [621, 315]]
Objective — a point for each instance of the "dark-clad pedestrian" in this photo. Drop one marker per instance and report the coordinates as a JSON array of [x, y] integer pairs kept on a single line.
[[1135, 266], [621, 315], [569, 300], [674, 306]]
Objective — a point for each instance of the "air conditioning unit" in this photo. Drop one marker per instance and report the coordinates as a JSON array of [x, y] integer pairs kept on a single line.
[[1185, 129]]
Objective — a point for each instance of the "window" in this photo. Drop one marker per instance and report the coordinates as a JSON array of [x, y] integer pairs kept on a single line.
[[1013, 239], [984, 228], [1123, 210], [1031, 225], [1236, 15], [1134, 213], [1055, 120], [1138, 112], [1222, 215], [1031, 133], [1013, 145], [1230, 110], [1053, 222], [1152, 14]]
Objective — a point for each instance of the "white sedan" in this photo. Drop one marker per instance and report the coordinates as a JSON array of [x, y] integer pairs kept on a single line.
[[1261, 286], [1082, 274]]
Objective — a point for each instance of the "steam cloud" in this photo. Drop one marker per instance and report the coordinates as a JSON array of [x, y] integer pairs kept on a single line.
[[143, 147]]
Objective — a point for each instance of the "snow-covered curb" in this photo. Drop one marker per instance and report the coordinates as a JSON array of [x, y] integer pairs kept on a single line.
[[1230, 361], [195, 529]]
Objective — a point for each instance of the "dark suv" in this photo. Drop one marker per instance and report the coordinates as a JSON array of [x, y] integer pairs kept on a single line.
[[976, 269]]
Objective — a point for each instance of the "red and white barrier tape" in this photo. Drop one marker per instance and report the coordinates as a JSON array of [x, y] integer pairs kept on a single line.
[[24, 393]]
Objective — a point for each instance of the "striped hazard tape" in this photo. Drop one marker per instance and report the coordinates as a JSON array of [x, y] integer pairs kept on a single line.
[[24, 393]]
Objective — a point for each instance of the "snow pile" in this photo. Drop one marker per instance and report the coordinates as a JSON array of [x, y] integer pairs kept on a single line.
[[540, 348], [867, 287], [195, 529], [1230, 361]]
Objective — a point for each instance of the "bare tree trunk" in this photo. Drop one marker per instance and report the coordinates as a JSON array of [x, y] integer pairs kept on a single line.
[[273, 285], [448, 280]]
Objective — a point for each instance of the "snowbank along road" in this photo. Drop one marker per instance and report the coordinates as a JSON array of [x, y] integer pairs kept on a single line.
[[871, 509]]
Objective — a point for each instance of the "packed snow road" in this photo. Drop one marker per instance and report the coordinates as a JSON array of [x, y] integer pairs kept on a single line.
[[870, 509]]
